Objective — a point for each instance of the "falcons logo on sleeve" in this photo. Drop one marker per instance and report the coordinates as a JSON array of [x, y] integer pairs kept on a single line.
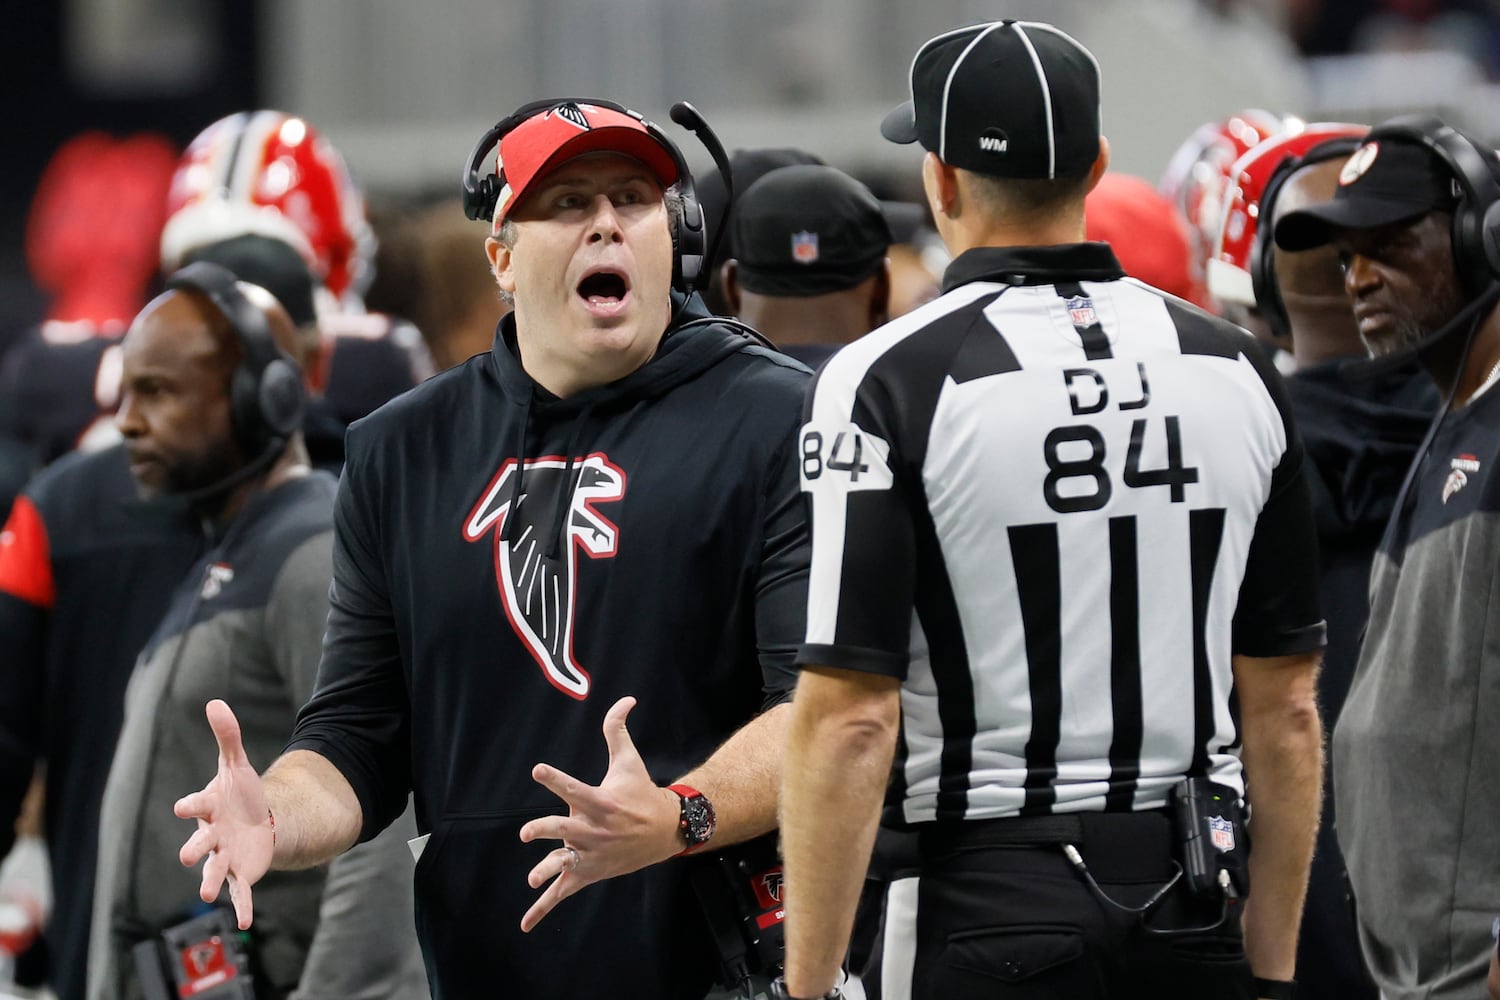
[[537, 573]]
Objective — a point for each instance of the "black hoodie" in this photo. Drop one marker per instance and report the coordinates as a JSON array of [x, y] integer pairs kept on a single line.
[[660, 550], [1361, 433]]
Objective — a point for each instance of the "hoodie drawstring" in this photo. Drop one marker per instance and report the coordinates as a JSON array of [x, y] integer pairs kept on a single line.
[[515, 478], [560, 514]]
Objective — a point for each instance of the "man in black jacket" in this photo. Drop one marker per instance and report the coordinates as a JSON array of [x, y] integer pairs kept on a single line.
[[603, 506]]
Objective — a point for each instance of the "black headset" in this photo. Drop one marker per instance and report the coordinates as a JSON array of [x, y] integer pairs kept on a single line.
[[481, 191], [1263, 247], [1476, 217], [265, 391]]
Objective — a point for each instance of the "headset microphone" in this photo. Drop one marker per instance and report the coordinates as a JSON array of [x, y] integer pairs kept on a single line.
[[691, 119]]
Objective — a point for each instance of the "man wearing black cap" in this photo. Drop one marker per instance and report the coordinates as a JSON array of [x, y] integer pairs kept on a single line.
[[601, 509], [1414, 747], [1064, 579], [809, 268], [746, 166]]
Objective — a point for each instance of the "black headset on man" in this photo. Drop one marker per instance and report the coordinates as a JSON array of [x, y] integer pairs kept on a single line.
[[481, 192], [1475, 238], [1476, 218], [266, 399]]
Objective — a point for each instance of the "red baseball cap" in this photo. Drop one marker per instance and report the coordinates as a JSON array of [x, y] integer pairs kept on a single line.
[[545, 141]]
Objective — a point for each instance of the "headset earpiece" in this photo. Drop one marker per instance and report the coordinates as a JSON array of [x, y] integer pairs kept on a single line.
[[1476, 224], [265, 391]]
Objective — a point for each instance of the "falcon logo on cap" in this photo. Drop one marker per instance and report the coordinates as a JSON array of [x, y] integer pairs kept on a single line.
[[1360, 162], [573, 115], [805, 247]]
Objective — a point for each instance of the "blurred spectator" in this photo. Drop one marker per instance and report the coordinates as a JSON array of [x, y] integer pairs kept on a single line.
[[917, 256], [1330, 27], [1146, 233], [92, 230], [91, 247], [458, 305], [809, 268]]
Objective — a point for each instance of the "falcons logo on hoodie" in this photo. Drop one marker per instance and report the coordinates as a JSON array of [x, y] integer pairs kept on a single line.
[[537, 546]]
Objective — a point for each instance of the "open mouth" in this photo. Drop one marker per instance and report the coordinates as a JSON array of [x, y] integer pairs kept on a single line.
[[604, 289]]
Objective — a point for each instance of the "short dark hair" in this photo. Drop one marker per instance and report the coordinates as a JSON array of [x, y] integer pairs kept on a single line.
[[1027, 196]]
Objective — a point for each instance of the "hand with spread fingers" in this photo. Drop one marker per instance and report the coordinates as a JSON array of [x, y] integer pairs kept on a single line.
[[235, 829], [621, 825]]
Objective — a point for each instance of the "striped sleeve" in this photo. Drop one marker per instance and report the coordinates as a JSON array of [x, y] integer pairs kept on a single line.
[[860, 593], [1279, 612]]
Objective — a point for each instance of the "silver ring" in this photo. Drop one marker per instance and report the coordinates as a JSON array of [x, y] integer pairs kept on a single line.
[[574, 852]]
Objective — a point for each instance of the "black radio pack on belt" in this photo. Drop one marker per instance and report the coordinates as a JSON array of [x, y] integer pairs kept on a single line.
[[1212, 841], [205, 957], [740, 891]]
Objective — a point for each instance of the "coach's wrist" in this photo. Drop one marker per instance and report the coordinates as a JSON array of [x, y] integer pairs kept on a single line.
[[1275, 989]]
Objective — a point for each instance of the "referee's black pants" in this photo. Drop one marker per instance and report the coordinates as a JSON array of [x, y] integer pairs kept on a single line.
[[991, 916]]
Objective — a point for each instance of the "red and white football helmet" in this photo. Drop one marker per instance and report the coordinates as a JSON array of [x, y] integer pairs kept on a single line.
[[271, 174], [1238, 268], [1198, 172]]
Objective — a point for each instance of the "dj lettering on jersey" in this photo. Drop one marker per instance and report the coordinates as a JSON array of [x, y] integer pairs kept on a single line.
[[536, 560]]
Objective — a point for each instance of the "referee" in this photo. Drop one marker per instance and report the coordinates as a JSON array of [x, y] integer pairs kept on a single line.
[[1063, 594]]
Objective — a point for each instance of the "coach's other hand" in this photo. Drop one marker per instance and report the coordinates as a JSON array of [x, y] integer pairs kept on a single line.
[[624, 824], [235, 830]]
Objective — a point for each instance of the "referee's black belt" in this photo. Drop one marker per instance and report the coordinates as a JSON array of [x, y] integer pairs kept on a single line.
[[1097, 834]]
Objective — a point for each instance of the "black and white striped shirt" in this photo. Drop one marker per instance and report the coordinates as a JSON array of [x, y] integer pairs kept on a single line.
[[1055, 501]]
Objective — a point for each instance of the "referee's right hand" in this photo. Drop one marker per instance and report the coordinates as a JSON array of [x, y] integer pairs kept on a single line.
[[235, 830]]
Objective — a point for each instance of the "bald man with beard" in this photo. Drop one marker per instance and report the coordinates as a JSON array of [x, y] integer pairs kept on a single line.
[[210, 413]]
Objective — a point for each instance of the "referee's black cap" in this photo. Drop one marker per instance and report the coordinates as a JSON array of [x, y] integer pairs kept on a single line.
[[1007, 98], [1389, 179], [807, 230]]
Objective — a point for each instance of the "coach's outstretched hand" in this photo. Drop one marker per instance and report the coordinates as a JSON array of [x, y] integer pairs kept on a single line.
[[234, 822], [624, 824]]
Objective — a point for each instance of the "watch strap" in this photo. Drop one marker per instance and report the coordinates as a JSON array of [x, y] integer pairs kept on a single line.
[[686, 793]]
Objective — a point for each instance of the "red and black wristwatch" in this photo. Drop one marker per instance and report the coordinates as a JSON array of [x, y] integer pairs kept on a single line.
[[697, 821]]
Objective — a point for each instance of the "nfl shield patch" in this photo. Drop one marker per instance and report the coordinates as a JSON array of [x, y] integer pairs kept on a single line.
[[1081, 311], [805, 247], [1221, 833]]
